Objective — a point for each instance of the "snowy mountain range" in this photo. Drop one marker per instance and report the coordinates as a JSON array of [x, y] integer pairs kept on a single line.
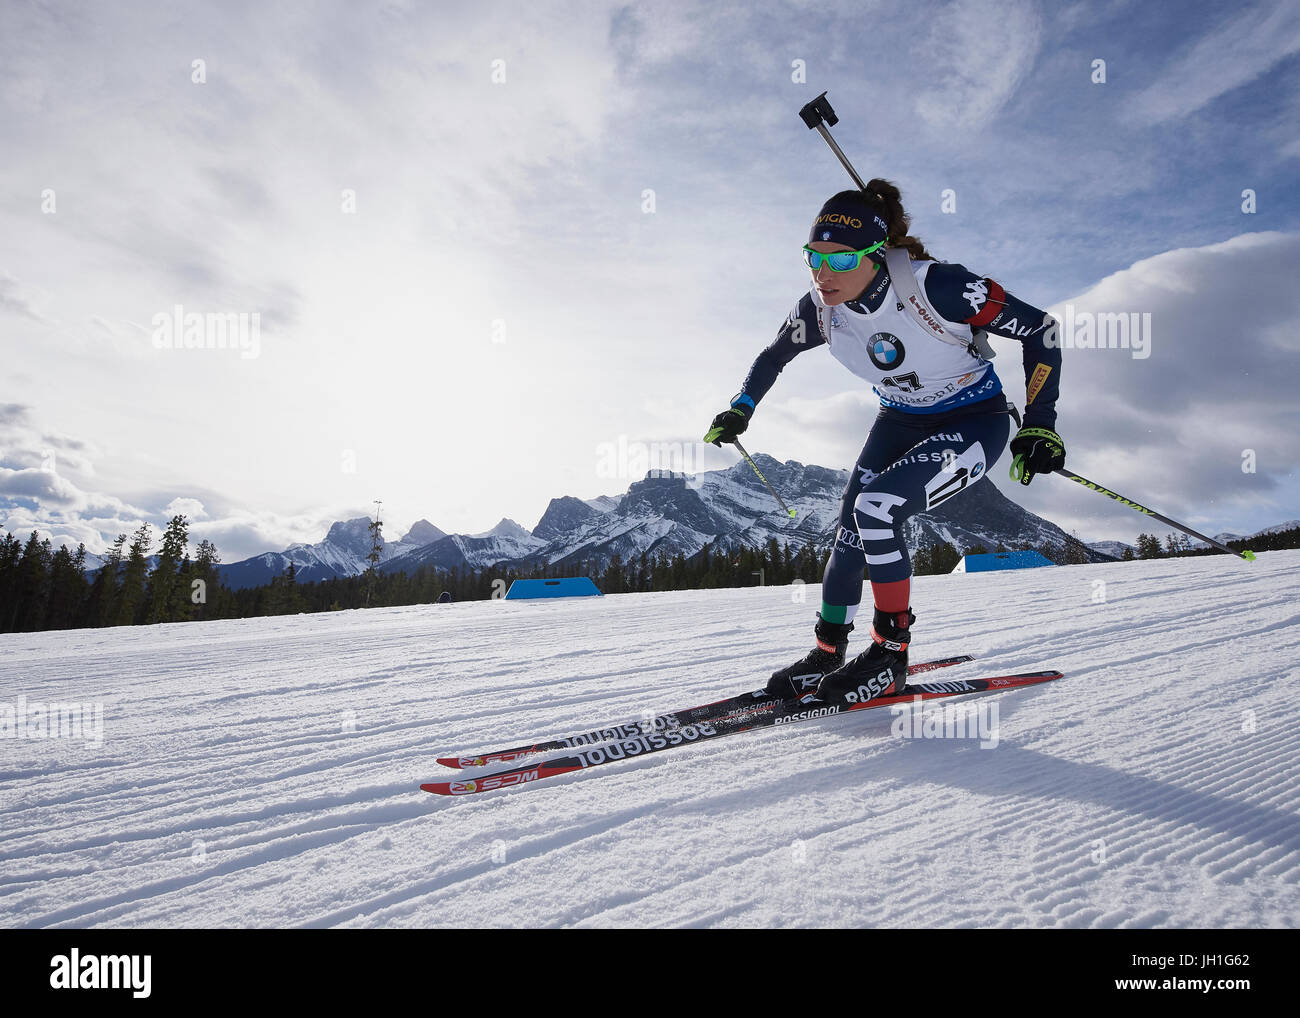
[[1275, 529], [1115, 549], [730, 508], [342, 553], [1112, 549], [668, 514]]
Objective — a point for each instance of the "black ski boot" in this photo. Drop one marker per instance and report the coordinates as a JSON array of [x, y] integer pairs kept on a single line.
[[802, 676], [880, 670]]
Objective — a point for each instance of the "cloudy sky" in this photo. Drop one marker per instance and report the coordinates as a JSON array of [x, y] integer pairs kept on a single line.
[[487, 243]]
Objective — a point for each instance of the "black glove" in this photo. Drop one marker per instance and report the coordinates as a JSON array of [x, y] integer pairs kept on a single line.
[[1036, 451], [728, 425]]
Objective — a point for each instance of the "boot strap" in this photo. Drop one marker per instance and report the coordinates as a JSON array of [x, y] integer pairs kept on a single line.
[[898, 646]]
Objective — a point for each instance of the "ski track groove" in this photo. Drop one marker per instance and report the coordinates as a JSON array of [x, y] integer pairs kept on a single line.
[[230, 733]]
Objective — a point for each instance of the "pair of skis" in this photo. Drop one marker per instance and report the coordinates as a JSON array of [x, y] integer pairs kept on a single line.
[[746, 712]]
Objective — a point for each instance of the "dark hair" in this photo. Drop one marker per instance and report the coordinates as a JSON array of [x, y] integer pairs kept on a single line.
[[884, 197]]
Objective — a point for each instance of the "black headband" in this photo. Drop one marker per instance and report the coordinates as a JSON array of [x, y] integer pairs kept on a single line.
[[850, 221]]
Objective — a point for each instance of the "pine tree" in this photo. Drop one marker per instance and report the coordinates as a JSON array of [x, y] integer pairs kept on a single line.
[[613, 582], [208, 592], [1075, 552], [11, 552], [166, 604], [101, 604], [1148, 546], [944, 558], [83, 587], [33, 584], [376, 547], [67, 589], [293, 601], [132, 599]]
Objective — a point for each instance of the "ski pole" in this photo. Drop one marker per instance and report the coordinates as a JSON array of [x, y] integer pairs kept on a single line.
[[749, 459], [1249, 556]]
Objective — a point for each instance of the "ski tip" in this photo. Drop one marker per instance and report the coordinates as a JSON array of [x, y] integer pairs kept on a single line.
[[1029, 678], [921, 667], [501, 779], [1033, 678], [955, 687], [450, 787], [461, 763]]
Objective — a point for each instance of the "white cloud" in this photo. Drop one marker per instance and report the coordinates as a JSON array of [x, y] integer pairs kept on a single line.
[[477, 204], [1240, 47], [191, 508], [40, 484], [1173, 431], [19, 299], [969, 67]]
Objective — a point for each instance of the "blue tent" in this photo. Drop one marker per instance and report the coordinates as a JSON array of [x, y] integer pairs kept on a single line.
[[1002, 560], [570, 586]]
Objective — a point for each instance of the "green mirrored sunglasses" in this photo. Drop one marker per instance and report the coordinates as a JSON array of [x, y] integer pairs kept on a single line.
[[838, 261]]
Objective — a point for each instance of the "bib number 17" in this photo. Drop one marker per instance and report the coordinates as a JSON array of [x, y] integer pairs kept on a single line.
[[904, 383]]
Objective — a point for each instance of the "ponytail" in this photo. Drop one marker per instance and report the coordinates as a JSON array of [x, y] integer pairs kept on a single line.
[[886, 199]]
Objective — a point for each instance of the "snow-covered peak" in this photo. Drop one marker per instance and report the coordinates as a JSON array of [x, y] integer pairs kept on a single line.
[[563, 515], [604, 503], [351, 535], [1115, 549], [422, 533], [506, 528]]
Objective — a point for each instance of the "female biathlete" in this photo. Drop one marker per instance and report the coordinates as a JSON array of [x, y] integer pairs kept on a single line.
[[942, 424]]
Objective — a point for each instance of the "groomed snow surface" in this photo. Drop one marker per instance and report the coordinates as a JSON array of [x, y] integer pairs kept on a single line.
[[266, 772]]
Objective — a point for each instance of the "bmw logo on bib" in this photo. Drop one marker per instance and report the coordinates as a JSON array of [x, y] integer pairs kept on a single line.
[[886, 351]]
